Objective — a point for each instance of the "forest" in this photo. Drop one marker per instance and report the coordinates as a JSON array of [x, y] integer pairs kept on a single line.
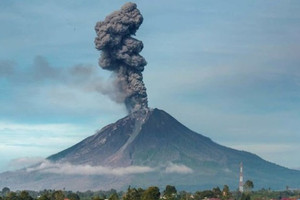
[[154, 193]]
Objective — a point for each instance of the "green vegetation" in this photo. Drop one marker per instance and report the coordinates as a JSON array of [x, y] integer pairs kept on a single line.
[[248, 186], [153, 193], [133, 194], [226, 194], [170, 192]]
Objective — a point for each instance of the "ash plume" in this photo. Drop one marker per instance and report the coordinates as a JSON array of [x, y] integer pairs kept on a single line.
[[120, 54]]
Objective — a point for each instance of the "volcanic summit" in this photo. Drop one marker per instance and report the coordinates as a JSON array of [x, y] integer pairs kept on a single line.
[[148, 146]]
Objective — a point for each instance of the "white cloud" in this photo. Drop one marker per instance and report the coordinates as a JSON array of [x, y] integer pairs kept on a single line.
[[86, 169], [67, 168], [19, 163], [178, 168]]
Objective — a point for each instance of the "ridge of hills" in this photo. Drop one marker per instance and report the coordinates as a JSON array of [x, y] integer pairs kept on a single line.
[[151, 148]]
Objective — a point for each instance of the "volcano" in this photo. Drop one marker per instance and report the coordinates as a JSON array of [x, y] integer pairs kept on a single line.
[[165, 150]]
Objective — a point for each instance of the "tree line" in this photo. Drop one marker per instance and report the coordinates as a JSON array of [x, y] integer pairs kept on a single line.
[[151, 193]]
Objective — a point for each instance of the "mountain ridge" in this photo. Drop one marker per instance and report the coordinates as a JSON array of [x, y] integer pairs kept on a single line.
[[165, 152]]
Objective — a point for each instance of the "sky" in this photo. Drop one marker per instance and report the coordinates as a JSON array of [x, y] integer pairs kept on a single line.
[[226, 69]]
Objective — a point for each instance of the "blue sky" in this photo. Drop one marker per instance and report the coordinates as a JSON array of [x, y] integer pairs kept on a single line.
[[228, 70]]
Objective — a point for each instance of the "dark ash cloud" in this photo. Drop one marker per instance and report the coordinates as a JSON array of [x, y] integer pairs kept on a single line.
[[120, 54], [81, 77], [7, 68]]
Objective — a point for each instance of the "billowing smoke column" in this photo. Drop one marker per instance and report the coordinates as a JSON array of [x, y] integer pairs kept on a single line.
[[120, 54]]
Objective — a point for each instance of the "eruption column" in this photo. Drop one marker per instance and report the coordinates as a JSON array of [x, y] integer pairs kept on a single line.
[[120, 54]]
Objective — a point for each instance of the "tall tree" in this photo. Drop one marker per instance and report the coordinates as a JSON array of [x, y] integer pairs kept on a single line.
[[152, 193], [133, 194], [248, 185], [5, 191], [217, 192], [58, 195], [73, 196], [11, 196], [170, 192], [114, 196], [45, 196], [24, 195], [226, 194]]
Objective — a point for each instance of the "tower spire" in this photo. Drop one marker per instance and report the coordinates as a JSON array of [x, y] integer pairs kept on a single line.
[[241, 181]]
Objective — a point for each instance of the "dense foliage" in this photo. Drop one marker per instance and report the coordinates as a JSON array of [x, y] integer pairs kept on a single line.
[[152, 193]]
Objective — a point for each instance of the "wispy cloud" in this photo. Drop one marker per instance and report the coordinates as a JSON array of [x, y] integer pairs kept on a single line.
[[86, 169], [67, 168], [19, 163], [178, 168]]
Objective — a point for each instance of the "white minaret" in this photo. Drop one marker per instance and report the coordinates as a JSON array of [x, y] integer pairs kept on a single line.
[[241, 182]]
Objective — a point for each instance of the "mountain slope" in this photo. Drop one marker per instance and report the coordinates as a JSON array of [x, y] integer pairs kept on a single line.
[[175, 154]]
